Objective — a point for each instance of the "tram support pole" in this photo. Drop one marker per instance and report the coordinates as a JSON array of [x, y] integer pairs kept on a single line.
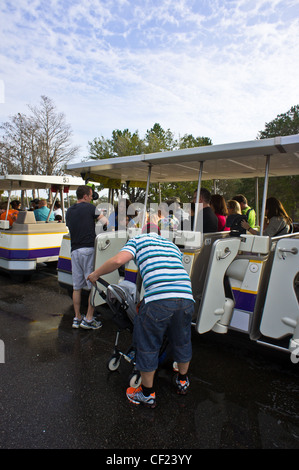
[[146, 193], [257, 208], [8, 202], [197, 195], [265, 193]]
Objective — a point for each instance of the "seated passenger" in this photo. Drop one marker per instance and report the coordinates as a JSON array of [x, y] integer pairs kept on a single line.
[[34, 204], [154, 218], [168, 220], [178, 211], [209, 219], [246, 209], [43, 211], [11, 215], [277, 220], [57, 210], [188, 223], [117, 219], [16, 205], [234, 209], [218, 205]]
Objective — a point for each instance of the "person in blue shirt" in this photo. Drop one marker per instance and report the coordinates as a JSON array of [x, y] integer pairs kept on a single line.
[[43, 211]]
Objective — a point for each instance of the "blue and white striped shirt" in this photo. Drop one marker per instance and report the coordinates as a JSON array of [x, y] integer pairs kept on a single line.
[[161, 268]]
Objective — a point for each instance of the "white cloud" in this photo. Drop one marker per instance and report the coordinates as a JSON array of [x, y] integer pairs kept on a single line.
[[220, 69]]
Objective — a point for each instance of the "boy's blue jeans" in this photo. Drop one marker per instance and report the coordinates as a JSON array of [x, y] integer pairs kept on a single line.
[[170, 317]]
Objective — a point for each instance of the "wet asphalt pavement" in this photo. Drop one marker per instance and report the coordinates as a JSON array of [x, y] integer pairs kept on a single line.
[[57, 393]]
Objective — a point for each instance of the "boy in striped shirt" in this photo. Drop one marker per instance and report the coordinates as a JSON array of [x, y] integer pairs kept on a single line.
[[167, 308]]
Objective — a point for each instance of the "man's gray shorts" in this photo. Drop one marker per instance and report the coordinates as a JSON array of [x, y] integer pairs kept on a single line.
[[82, 266]]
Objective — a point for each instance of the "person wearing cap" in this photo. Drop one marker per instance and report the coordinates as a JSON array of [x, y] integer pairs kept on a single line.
[[166, 308]]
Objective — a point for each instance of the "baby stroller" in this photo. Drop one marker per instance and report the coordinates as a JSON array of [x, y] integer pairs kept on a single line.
[[122, 300]]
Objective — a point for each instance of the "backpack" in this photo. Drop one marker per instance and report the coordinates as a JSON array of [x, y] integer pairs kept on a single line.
[[236, 229]]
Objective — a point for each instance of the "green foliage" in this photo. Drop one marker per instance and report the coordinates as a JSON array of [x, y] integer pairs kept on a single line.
[[284, 188], [156, 139], [283, 124]]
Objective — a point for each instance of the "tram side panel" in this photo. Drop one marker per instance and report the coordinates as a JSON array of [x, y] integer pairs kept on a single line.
[[64, 265], [280, 315], [196, 249], [24, 245], [215, 306], [231, 284], [245, 276], [261, 274], [107, 245]]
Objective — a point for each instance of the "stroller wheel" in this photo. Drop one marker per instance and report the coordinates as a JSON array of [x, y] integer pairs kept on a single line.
[[135, 380], [113, 363]]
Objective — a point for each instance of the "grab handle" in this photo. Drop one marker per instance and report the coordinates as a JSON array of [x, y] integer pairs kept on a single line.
[[103, 247], [227, 252], [294, 250]]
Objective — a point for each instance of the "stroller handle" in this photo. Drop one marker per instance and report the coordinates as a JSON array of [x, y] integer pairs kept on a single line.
[[103, 282], [100, 291]]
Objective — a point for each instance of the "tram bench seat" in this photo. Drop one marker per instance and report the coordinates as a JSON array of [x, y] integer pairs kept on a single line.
[[26, 217], [26, 223], [42, 227]]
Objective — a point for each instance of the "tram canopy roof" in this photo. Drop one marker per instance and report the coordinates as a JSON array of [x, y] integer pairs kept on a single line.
[[226, 161], [19, 182]]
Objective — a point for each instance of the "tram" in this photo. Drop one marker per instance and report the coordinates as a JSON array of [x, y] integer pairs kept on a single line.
[[246, 283], [28, 242]]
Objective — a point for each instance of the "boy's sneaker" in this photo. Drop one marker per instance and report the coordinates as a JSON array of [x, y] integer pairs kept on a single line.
[[90, 325], [182, 385], [76, 323], [135, 395]]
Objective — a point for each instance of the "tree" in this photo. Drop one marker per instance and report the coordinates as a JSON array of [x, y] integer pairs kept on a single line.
[[54, 135], [122, 143], [18, 149], [156, 139], [284, 124], [284, 188], [188, 141], [36, 144]]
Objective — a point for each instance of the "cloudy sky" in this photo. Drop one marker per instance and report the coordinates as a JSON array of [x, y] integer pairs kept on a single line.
[[214, 68]]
